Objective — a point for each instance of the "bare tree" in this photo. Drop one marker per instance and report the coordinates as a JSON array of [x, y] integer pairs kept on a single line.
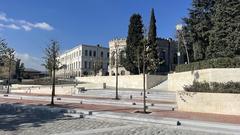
[[10, 58], [115, 58], [52, 63]]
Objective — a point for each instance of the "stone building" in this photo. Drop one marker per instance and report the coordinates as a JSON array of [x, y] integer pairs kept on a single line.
[[167, 51], [84, 60], [120, 45]]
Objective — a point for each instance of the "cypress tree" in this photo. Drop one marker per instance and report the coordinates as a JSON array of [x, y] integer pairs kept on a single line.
[[152, 33], [153, 61], [134, 48]]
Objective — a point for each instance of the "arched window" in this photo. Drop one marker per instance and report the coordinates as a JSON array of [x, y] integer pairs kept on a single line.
[[122, 72]]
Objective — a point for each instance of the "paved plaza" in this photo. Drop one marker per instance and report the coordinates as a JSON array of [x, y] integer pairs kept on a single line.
[[110, 116], [38, 124]]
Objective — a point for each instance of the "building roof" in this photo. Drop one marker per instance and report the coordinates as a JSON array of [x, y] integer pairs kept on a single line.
[[83, 45]]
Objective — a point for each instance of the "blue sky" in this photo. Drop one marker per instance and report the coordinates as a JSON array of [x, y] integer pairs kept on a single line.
[[28, 25]]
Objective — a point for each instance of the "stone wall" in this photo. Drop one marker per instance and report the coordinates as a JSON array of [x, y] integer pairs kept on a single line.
[[46, 90], [126, 81], [176, 81], [219, 103]]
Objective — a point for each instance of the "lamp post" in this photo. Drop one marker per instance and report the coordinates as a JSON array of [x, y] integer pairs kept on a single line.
[[179, 29], [144, 70], [116, 45], [169, 54]]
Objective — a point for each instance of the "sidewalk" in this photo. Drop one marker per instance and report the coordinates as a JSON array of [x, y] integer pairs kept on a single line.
[[130, 110]]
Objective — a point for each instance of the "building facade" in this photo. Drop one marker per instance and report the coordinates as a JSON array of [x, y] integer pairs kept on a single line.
[[167, 51], [119, 45], [84, 60]]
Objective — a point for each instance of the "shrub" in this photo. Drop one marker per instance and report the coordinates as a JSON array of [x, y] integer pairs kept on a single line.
[[214, 87], [211, 63]]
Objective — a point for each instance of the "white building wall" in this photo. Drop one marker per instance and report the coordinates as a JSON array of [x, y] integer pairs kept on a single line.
[[76, 58]]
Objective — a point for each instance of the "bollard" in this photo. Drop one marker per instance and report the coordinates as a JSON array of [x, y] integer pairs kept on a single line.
[[81, 116], [141, 94], [178, 123], [131, 97]]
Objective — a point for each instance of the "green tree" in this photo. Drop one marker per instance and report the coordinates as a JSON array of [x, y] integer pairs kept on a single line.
[[52, 63], [153, 60], [133, 59], [224, 37], [198, 27], [152, 33], [10, 54], [19, 68], [3, 48]]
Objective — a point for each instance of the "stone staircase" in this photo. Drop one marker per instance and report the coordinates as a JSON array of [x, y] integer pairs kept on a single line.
[[163, 86]]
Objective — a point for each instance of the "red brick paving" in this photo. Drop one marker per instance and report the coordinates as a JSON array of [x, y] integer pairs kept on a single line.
[[170, 114]]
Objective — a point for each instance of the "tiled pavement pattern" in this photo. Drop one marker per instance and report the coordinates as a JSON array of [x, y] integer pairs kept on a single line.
[[70, 126]]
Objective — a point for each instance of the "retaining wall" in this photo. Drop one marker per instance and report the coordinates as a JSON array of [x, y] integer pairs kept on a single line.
[[219, 103], [176, 81]]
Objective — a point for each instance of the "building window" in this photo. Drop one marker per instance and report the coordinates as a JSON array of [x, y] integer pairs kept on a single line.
[[101, 54], [108, 55], [79, 52], [90, 53], [90, 65], [85, 64], [94, 54], [163, 55], [122, 72], [86, 52]]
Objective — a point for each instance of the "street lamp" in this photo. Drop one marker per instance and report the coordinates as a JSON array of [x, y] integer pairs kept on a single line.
[[169, 54], [144, 71], [179, 29], [116, 46]]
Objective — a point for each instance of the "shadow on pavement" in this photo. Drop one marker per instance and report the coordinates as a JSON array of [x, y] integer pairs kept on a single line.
[[11, 118]]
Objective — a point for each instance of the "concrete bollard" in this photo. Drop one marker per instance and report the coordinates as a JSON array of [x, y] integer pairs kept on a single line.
[[179, 123], [81, 116], [90, 113]]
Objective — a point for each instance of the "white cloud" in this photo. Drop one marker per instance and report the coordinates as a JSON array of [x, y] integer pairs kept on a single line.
[[10, 26], [43, 26], [30, 61], [3, 17], [22, 24]]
